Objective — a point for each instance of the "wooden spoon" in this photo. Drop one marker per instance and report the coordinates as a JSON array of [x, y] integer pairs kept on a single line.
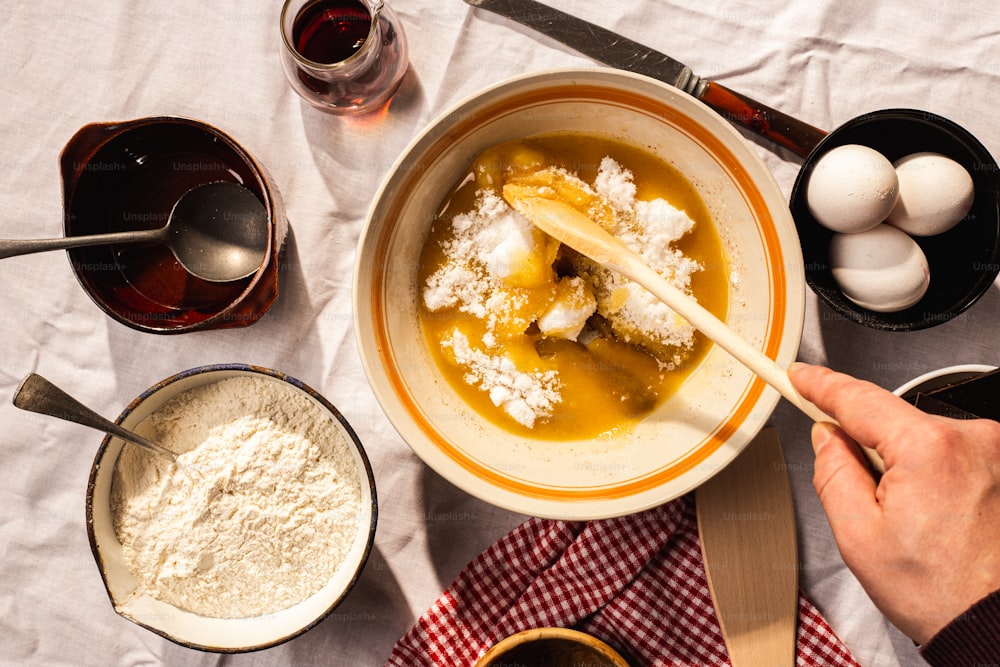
[[568, 225], [746, 523]]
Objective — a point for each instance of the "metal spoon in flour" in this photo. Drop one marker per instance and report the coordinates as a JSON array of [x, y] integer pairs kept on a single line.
[[36, 394]]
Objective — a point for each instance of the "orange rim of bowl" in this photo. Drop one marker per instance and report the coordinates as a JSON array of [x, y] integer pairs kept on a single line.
[[775, 267], [500, 650]]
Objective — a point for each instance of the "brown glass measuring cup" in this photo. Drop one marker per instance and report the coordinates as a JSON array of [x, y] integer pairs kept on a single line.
[[128, 175]]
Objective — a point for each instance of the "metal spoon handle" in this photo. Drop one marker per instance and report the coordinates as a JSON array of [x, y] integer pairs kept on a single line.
[[36, 394], [14, 247]]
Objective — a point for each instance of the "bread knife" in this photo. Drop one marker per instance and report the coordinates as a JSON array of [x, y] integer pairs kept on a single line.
[[620, 52]]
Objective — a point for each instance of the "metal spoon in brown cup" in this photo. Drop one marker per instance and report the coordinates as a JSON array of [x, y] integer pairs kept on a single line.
[[217, 231]]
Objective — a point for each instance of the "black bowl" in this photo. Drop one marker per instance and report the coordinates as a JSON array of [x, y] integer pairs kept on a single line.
[[964, 261]]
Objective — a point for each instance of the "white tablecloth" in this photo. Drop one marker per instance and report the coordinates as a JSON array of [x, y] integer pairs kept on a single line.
[[67, 64]]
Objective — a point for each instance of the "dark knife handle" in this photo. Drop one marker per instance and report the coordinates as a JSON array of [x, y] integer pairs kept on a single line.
[[780, 128]]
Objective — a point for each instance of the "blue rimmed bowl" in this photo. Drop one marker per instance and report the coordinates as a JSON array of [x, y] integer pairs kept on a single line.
[[224, 635]]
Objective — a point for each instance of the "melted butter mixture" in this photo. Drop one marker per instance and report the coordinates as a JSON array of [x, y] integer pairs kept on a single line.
[[538, 339]]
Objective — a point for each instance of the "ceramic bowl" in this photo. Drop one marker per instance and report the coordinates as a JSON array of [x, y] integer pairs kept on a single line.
[[963, 261], [127, 176], [544, 647], [720, 406], [225, 635]]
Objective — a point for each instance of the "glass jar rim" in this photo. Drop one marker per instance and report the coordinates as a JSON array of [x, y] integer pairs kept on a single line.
[[374, 9]]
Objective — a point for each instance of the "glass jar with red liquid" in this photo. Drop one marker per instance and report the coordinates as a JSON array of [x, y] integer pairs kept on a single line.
[[343, 56]]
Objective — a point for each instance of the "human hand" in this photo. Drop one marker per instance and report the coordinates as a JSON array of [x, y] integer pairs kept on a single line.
[[924, 541]]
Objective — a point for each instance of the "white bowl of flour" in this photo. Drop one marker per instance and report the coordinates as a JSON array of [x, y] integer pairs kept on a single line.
[[256, 534]]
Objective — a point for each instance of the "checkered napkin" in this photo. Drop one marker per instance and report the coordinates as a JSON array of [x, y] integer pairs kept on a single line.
[[636, 582]]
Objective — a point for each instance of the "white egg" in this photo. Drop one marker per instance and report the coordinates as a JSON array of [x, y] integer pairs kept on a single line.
[[881, 269], [851, 188], [935, 193]]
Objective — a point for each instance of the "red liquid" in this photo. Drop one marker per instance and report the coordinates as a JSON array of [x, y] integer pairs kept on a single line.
[[329, 31]]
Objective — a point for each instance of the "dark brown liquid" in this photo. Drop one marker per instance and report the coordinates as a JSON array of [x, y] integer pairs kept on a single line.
[[330, 31], [132, 182]]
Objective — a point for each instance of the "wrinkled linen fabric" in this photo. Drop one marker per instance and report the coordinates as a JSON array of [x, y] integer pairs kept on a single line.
[[66, 64]]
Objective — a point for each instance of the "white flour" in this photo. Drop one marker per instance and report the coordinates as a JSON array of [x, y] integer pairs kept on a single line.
[[473, 278], [262, 513], [651, 229], [524, 395], [484, 266]]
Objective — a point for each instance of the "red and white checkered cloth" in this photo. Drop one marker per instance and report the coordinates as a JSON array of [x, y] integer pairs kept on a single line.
[[636, 582]]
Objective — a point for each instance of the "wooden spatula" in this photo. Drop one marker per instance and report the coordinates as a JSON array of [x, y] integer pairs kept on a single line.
[[746, 523]]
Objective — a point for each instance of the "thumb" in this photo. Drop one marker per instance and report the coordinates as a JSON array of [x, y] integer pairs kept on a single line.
[[843, 483]]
